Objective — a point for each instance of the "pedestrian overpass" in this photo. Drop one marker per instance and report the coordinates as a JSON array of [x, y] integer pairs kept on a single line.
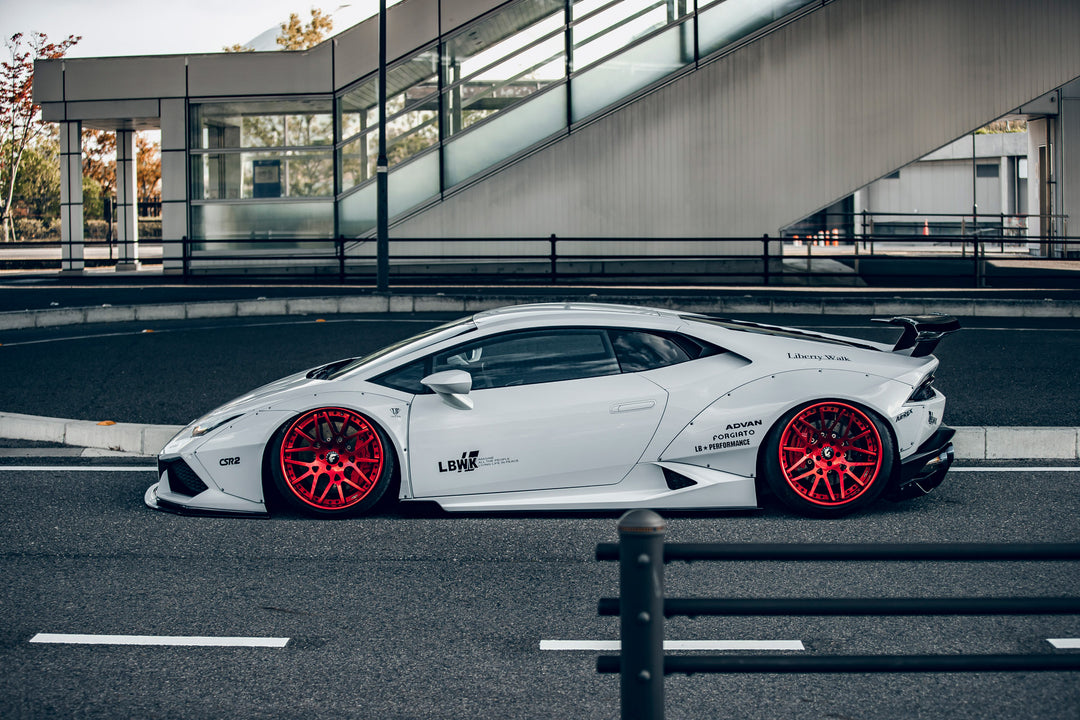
[[587, 118]]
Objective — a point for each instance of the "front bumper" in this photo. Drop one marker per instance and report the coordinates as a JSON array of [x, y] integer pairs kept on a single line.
[[925, 469], [180, 490]]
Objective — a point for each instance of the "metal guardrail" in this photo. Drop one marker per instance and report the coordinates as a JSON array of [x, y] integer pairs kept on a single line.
[[642, 607], [925, 261]]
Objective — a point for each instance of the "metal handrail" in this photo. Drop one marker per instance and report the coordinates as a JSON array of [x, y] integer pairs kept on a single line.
[[642, 607], [654, 261]]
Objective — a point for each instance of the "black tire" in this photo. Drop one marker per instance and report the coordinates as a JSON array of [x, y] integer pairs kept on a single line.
[[331, 462], [828, 458]]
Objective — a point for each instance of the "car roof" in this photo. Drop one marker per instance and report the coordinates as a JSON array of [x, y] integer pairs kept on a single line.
[[571, 312]]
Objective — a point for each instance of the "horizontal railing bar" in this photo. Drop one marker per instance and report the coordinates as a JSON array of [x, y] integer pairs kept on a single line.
[[865, 552], [854, 663], [694, 607]]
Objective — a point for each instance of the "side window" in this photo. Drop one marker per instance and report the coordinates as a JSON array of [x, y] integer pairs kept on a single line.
[[528, 358], [406, 378], [638, 351]]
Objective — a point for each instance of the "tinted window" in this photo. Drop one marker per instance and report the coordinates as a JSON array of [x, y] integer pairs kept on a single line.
[[407, 378], [527, 358], [639, 351]]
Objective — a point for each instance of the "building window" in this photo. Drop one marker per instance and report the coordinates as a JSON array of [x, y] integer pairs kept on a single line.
[[501, 60], [412, 117], [262, 169], [262, 150]]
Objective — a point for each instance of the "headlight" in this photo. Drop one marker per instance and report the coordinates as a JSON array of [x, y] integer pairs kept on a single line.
[[924, 391], [200, 430]]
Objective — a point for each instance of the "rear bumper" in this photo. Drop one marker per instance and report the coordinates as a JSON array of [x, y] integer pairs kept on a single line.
[[925, 469]]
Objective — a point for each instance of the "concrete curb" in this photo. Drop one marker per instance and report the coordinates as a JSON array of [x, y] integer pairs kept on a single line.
[[123, 437], [972, 443], [464, 304]]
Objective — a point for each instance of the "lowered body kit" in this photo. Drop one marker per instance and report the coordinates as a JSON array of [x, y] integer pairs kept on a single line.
[[581, 406]]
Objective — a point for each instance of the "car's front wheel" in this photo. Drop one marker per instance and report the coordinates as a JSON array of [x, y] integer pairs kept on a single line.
[[331, 462], [828, 458]]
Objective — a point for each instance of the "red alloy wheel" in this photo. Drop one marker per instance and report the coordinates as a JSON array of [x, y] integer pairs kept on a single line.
[[830, 454], [331, 459]]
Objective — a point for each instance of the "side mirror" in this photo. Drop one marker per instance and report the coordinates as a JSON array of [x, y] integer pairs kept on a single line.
[[452, 386]]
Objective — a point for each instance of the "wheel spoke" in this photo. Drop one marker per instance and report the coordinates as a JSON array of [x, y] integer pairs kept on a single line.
[[795, 466], [842, 446], [327, 447]]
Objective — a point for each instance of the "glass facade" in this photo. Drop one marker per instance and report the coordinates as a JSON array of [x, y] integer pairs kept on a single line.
[[304, 167], [259, 166]]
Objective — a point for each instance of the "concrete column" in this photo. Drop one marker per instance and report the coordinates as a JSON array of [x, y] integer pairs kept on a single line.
[[174, 185], [1069, 177], [71, 198], [127, 203]]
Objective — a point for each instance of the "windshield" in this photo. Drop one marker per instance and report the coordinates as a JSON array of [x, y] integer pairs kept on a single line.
[[434, 335]]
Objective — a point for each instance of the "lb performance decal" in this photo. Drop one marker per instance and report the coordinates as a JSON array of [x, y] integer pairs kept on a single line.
[[735, 435], [471, 461]]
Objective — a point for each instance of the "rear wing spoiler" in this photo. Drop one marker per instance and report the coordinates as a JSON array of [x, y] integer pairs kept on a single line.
[[921, 332]]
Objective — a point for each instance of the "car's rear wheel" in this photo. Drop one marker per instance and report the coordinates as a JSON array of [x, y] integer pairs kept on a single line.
[[331, 462], [828, 458]]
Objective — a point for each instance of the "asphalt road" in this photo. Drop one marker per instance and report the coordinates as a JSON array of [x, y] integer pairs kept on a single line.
[[996, 371], [412, 613]]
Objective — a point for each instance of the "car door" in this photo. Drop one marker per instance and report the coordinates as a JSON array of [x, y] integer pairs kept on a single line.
[[550, 409]]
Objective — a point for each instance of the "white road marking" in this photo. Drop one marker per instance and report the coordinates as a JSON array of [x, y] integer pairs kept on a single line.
[[1065, 643], [78, 468], [1061, 468], [151, 468], [166, 640], [615, 645]]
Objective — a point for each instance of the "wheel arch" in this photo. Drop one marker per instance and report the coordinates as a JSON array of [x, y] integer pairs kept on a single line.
[[381, 420], [774, 427]]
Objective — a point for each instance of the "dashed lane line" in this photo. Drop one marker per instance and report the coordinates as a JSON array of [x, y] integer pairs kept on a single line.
[[616, 645], [1065, 643], [162, 640]]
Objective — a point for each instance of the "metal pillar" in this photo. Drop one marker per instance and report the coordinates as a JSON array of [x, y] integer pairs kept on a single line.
[[641, 614], [382, 232]]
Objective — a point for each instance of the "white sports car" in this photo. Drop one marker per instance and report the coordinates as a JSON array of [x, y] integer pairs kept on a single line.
[[581, 406]]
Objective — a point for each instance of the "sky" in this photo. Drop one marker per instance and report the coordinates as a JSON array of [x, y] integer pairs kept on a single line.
[[164, 27]]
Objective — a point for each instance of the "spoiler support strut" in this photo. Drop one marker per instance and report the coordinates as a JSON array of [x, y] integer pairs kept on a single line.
[[921, 332]]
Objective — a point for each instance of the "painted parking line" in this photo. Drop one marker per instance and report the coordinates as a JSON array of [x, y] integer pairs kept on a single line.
[[615, 645], [163, 640], [1065, 643], [78, 468]]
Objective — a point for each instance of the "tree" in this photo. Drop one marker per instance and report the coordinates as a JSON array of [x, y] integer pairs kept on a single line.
[[238, 48], [147, 168], [37, 188], [20, 118], [99, 159], [296, 36]]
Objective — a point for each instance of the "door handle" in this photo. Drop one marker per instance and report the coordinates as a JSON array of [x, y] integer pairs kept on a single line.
[[632, 406]]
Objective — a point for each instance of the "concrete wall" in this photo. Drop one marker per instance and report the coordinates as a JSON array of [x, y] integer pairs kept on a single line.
[[781, 127]]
